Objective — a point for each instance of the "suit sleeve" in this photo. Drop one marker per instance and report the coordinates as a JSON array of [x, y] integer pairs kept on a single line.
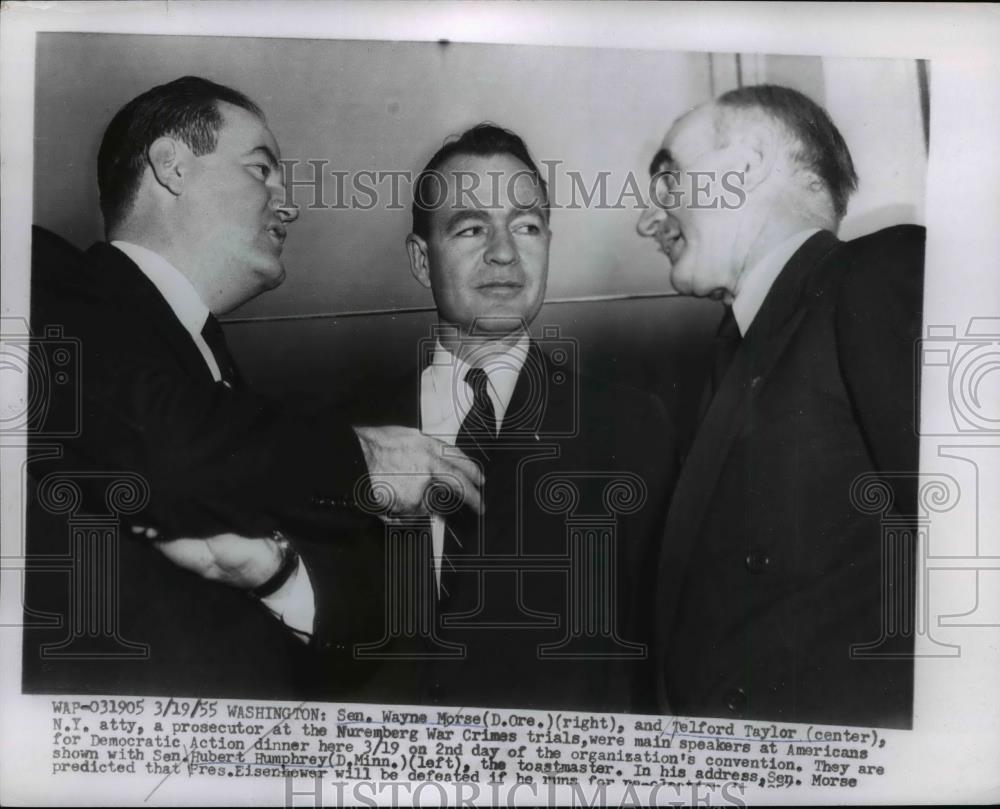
[[878, 325], [217, 459], [214, 459]]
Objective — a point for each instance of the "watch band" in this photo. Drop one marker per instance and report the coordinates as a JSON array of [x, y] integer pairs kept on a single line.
[[289, 562]]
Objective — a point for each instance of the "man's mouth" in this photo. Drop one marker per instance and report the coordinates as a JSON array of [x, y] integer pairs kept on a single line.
[[507, 289]]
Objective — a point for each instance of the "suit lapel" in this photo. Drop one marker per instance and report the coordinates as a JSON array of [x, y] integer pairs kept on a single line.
[[136, 292], [770, 334], [799, 278], [531, 400]]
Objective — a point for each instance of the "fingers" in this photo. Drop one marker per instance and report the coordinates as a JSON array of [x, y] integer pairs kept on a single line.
[[463, 476], [460, 463], [463, 487], [408, 462], [149, 533], [190, 554]]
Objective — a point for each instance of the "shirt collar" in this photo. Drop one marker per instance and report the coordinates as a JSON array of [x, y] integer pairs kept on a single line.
[[171, 283], [758, 279], [444, 382]]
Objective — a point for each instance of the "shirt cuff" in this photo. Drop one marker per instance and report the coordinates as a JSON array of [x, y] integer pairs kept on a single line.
[[294, 604]]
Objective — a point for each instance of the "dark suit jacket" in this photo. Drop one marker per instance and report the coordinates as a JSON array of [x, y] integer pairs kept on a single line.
[[770, 573], [559, 428], [212, 460]]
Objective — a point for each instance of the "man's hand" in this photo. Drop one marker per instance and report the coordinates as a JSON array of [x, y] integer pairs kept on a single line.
[[243, 562], [405, 462]]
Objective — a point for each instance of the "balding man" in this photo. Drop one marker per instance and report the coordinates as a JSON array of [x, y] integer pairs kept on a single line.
[[774, 588]]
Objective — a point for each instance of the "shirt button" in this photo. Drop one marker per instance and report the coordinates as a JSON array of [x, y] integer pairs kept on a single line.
[[757, 562], [736, 700]]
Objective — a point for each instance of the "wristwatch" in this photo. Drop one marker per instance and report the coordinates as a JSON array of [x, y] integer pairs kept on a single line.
[[289, 562]]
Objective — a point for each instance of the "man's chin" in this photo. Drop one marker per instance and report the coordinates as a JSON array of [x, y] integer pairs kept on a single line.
[[497, 325], [271, 276], [681, 280]]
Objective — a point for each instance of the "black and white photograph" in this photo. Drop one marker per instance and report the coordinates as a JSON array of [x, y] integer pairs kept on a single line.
[[565, 412]]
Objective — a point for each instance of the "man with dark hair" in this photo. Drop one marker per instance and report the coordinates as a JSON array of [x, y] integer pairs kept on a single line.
[[776, 594], [431, 189], [186, 108], [240, 489], [540, 603]]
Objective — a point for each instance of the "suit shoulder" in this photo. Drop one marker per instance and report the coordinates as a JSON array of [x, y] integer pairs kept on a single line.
[[900, 246], [887, 264], [66, 288], [879, 303], [55, 263]]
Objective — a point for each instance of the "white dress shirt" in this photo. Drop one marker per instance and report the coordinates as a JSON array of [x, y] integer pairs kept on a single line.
[[295, 602], [758, 279], [446, 399]]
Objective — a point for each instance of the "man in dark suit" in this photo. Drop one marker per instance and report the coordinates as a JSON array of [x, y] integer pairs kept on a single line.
[[542, 602], [779, 598], [234, 488]]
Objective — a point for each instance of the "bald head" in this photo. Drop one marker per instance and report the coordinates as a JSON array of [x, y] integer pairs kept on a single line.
[[810, 140], [736, 176]]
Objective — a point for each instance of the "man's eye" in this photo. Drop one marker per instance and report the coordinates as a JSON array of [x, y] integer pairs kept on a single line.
[[527, 230], [472, 230], [260, 170]]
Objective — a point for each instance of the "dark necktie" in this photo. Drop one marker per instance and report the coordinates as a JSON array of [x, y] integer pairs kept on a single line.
[[727, 342], [475, 438], [479, 428], [216, 340]]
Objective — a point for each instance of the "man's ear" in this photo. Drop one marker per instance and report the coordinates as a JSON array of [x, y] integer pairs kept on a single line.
[[416, 248], [812, 182], [166, 159], [756, 151]]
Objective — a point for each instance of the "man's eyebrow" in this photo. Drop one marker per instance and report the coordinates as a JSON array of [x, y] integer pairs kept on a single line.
[[266, 151], [661, 161], [534, 207], [469, 213]]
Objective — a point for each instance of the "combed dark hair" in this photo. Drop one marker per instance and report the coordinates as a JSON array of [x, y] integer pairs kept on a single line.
[[482, 140], [186, 109], [821, 147]]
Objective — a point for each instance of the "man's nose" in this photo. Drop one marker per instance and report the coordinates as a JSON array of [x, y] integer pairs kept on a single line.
[[284, 208], [650, 220], [501, 248]]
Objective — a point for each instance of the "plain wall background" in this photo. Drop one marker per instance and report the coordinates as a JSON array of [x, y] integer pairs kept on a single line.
[[389, 105]]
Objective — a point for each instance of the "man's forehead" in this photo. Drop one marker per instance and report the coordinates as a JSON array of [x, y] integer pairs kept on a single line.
[[245, 129], [497, 164], [489, 180], [692, 126]]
